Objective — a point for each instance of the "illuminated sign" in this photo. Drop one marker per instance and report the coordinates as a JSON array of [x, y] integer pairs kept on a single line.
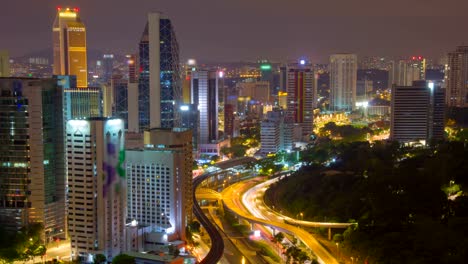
[[265, 67], [67, 14]]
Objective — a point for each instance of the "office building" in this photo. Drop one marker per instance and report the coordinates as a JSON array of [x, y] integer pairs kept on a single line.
[[97, 189], [275, 133], [160, 182], [32, 182], [159, 87], [69, 46], [4, 64], [189, 118], [258, 91], [205, 95], [107, 68], [417, 113], [457, 77], [82, 103], [119, 86], [301, 93], [409, 70], [343, 78]]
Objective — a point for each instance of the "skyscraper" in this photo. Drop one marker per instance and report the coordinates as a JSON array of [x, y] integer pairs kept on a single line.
[[97, 187], [4, 64], [69, 46], [417, 112], [412, 69], [205, 95], [457, 77], [32, 182], [301, 90], [343, 78], [107, 67], [159, 88]]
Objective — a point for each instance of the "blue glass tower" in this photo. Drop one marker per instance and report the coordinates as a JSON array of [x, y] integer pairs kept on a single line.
[[159, 88]]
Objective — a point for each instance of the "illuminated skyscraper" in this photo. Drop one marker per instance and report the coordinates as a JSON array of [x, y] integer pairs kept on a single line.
[[343, 78], [32, 165], [69, 44], [4, 64], [159, 88], [301, 90], [457, 77], [97, 187]]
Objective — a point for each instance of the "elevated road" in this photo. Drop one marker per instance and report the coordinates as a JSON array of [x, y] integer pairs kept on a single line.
[[232, 200], [217, 243]]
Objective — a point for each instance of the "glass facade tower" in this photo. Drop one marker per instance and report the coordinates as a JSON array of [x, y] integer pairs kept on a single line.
[[159, 88]]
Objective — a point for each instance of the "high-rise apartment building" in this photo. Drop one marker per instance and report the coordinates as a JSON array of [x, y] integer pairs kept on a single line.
[[417, 112], [160, 181], [456, 75], [32, 182], [97, 187], [412, 69], [159, 88], [69, 46], [4, 64], [275, 133], [301, 93], [343, 78]]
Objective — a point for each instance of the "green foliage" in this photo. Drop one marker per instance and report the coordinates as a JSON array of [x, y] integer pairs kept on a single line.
[[347, 133], [23, 245], [265, 250], [394, 193], [123, 259]]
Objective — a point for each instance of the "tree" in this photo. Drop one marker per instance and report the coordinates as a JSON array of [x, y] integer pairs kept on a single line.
[[123, 259], [99, 258]]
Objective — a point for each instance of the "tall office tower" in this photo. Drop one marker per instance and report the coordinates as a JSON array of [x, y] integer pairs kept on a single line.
[[189, 118], [205, 95], [120, 98], [107, 67], [4, 64], [96, 187], [417, 112], [159, 88], [412, 69], [160, 181], [189, 67], [457, 78], [343, 77], [229, 120], [81, 103], [69, 43], [302, 91], [32, 182]]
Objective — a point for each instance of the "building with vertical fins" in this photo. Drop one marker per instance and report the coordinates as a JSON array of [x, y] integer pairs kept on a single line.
[[32, 165], [457, 77], [97, 189], [69, 46], [159, 87], [417, 113], [301, 91], [343, 78]]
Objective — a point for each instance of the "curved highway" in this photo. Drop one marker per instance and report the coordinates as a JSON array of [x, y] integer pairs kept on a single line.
[[217, 244], [232, 201]]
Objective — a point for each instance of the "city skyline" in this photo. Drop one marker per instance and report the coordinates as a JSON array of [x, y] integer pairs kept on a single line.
[[369, 28]]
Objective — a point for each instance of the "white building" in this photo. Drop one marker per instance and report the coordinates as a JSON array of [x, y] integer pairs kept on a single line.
[[343, 78], [97, 187], [159, 180]]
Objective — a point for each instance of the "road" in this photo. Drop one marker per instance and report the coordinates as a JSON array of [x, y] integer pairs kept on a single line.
[[232, 198]]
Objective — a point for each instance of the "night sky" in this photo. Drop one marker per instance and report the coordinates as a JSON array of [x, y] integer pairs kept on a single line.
[[233, 30]]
